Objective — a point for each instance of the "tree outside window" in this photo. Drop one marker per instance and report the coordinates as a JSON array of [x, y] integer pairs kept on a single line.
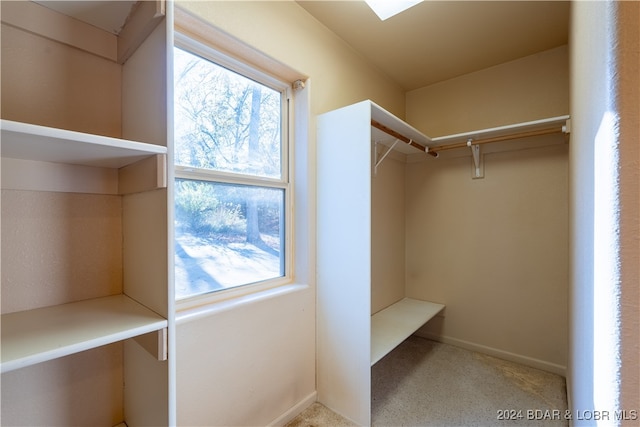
[[231, 180]]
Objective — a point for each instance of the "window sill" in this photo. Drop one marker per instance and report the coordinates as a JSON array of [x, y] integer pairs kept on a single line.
[[191, 310]]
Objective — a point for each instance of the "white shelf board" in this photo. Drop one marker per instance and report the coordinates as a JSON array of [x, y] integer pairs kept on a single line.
[[384, 117], [33, 142], [394, 324], [501, 130], [34, 336]]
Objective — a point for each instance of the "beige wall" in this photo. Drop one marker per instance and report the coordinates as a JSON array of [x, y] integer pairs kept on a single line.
[[494, 250], [388, 234], [252, 364], [83, 389], [41, 231], [590, 47], [605, 253], [530, 88], [52, 84], [629, 107]]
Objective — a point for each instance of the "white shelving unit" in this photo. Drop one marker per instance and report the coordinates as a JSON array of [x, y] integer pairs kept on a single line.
[[42, 334], [38, 157], [350, 339], [39, 335], [506, 131], [394, 324], [363, 310], [45, 144], [86, 277]]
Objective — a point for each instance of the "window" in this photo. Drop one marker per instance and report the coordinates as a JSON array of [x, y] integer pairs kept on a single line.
[[232, 193]]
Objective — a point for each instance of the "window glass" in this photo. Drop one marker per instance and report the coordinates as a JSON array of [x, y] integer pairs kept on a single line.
[[230, 188], [224, 121], [226, 235]]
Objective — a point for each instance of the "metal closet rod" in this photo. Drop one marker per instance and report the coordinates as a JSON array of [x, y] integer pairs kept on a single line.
[[517, 135]]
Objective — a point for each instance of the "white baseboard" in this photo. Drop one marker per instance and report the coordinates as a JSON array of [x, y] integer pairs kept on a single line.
[[500, 354], [294, 411]]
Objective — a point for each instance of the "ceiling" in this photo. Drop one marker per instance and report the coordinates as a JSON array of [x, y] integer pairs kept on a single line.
[[439, 40], [428, 43]]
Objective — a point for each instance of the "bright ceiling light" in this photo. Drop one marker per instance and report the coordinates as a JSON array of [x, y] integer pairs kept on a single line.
[[387, 8]]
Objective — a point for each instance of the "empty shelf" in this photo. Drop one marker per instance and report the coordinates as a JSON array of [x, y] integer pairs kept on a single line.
[[388, 120], [394, 324], [33, 142], [508, 130], [34, 336]]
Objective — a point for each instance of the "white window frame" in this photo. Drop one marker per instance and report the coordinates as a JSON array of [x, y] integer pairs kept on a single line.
[[285, 182]]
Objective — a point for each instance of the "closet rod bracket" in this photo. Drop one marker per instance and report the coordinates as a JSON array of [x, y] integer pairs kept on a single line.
[[386, 153], [478, 163]]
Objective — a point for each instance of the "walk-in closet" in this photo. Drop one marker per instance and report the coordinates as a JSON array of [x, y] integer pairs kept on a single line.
[[460, 178], [379, 181]]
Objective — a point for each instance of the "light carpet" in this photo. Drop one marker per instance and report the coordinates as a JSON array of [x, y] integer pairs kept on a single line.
[[425, 383]]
